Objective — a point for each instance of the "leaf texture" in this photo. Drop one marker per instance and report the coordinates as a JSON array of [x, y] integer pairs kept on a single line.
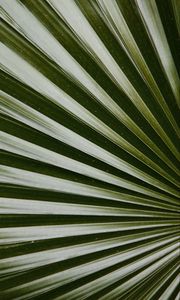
[[89, 143]]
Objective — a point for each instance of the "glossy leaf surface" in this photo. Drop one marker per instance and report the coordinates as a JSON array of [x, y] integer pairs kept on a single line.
[[89, 144]]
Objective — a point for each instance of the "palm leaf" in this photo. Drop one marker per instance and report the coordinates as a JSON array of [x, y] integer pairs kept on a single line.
[[89, 145]]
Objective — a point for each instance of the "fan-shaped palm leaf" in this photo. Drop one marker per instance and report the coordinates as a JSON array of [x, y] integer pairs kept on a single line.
[[89, 143]]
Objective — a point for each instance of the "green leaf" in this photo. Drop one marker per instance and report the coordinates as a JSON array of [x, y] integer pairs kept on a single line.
[[89, 144]]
